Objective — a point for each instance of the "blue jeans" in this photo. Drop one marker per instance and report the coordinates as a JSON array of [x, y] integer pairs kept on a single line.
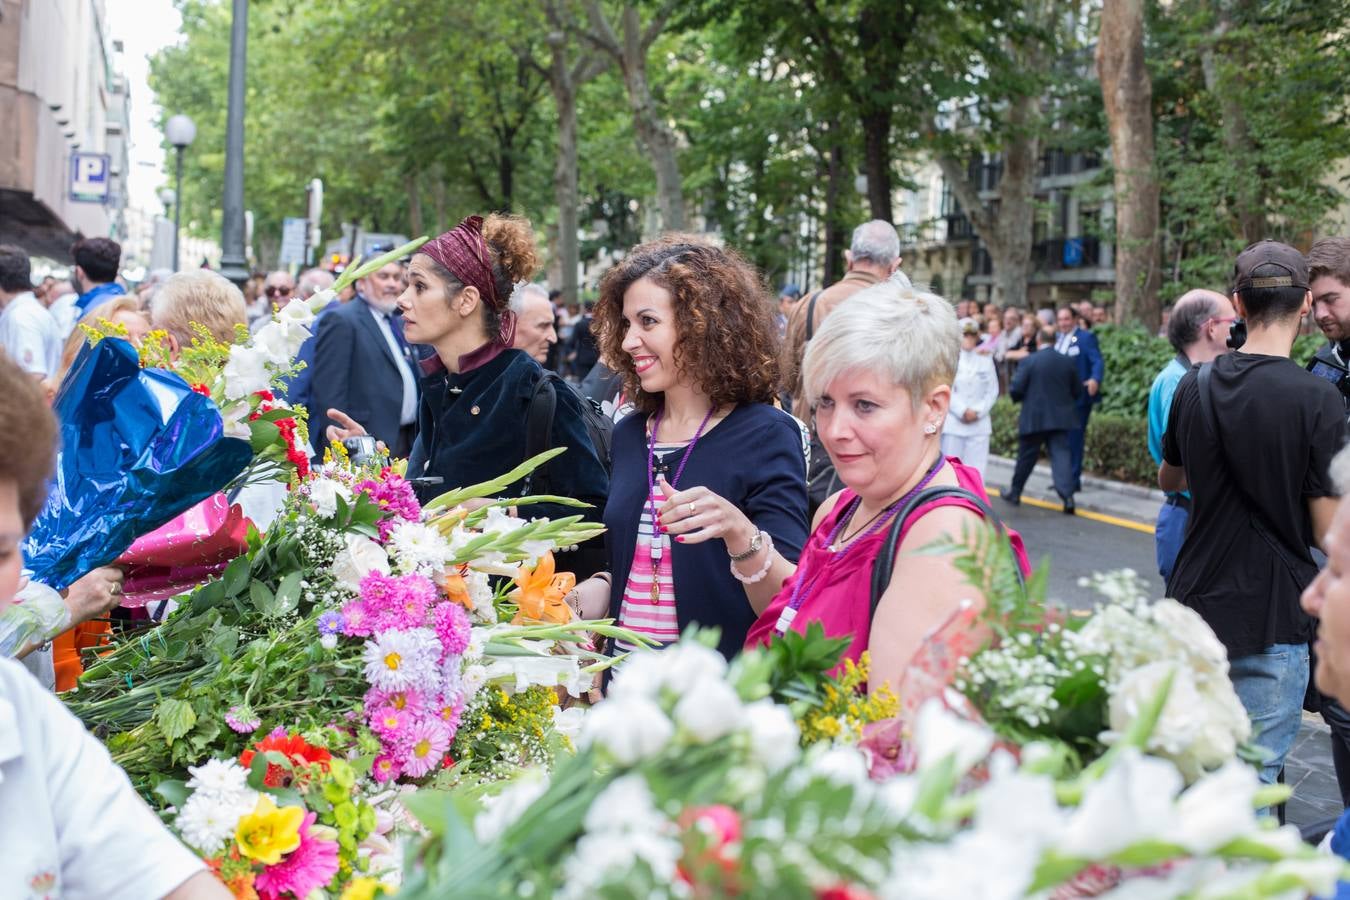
[[1168, 535], [1271, 685]]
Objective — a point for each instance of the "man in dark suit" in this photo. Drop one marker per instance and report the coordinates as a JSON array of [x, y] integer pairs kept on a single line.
[[1080, 345], [364, 368], [1047, 385]]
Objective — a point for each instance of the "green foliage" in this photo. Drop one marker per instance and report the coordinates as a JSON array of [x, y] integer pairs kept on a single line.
[[1116, 447], [1133, 359]]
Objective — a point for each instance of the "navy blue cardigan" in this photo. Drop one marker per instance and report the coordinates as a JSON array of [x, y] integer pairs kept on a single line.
[[753, 458]]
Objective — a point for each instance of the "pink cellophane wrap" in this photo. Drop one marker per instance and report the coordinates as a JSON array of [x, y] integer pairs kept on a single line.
[[184, 552]]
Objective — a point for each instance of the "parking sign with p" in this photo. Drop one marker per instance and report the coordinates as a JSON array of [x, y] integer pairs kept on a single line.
[[89, 177]]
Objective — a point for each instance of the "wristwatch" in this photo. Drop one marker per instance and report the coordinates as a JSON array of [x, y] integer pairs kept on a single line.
[[756, 543]]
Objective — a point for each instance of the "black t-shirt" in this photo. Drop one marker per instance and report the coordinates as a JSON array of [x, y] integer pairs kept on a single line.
[[1245, 559]]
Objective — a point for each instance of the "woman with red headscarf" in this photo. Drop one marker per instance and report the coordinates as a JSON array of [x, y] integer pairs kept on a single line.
[[476, 389]]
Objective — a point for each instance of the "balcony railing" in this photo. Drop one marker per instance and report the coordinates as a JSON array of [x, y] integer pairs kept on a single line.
[[1066, 253]]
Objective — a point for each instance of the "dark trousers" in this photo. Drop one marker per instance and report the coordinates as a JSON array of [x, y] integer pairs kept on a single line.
[[1077, 438], [1336, 716], [1029, 449]]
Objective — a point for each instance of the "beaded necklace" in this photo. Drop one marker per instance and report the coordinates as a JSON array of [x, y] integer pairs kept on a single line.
[[655, 541], [799, 591]]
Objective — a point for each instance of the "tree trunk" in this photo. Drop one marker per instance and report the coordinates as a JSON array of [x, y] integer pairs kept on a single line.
[[506, 175], [565, 172], [414, 204], [629, 50], [438, 200], [877, 161], [835, 241], [1011, 252], [1248, 205], [1127, 93]]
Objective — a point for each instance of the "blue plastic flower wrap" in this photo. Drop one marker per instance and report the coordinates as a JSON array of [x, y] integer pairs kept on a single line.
[[138, 447]]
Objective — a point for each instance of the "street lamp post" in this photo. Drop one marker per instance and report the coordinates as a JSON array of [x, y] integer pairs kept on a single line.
[[233, 264], [181, 132]]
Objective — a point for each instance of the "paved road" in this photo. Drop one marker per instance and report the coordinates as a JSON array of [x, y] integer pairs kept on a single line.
[[1077, 547]]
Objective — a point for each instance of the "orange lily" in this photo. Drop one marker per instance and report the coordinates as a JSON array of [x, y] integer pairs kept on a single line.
[[456, 590], [541, 592]]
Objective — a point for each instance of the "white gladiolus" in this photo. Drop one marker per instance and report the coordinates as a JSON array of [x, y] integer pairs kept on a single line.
[[245, 373], [358, 559], [1131, 803], [1216, 809]]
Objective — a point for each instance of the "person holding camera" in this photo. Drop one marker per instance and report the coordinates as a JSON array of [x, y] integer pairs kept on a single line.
[[1251, 435], [477, 389], [1198, 330]]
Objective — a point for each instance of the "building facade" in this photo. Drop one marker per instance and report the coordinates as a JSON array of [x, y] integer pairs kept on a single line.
[[60, 94]]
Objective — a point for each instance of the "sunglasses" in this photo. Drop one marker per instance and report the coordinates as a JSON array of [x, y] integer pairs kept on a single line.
[[274, 291]]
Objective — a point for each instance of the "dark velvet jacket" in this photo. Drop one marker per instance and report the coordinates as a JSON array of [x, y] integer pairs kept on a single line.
[[752, 458], [471, 428]]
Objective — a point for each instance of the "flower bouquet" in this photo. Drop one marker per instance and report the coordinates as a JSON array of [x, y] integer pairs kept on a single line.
[[691, 783], [366, 622]]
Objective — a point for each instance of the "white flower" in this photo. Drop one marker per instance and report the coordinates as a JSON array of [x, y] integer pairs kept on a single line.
[[234, 416], [245, 373], [1196, 731], [542, 670], [709, 710], [625, 806], [207, 821], [773, 734], [471, 681], [630, 728], [1131, 803], [1216, 809], [683, 669], [503, 810], [270, 341], [1185, 629], [357, 559], [328, 641], [841, 765], [324, 493], [316, 304], [975, 865], [568, 722], [399, 660], [419, 548], [939, 733], [218, 778]]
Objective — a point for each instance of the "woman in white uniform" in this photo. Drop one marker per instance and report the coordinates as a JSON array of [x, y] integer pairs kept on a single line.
[[974, 390]]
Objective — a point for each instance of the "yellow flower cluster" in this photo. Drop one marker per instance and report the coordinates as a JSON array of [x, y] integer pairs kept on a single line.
[[504, 731], [846, 710]]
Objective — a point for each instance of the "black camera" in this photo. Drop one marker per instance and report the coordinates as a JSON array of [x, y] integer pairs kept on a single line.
[[1237, 334], [362, 449], [1337, 375]]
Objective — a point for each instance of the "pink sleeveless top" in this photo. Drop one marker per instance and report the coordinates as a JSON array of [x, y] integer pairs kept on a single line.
[[839, 596]]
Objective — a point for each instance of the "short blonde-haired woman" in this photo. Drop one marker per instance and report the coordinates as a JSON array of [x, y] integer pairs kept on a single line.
[[200, 297], [879, 407]]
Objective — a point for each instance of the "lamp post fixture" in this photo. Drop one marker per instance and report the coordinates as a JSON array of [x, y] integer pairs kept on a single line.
[[181, 132], [233, 264]]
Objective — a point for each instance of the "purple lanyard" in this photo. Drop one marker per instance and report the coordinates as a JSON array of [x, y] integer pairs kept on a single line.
[[789, 612], [651, 462]]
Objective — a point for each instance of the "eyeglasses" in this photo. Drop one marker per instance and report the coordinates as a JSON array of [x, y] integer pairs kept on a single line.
[[1221, 319], [277, 291]]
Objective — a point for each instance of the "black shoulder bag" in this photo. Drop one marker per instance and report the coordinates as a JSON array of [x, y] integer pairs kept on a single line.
[[884, 566]]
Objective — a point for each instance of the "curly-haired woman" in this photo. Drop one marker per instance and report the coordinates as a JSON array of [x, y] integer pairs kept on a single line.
[[476, 389], [707, 499]]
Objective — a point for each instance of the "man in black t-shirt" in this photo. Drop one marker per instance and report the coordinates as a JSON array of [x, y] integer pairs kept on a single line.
[[1256, 459]]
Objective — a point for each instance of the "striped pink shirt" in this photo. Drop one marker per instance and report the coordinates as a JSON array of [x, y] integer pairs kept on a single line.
[[638, 613]]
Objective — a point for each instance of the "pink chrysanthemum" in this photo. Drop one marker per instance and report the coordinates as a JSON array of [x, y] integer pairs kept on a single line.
[[395, 496], [411, 701], [449, 712], [311, 865], [384, 768], [391, 724], [242, 720], [452, 627], [397, 602], [356, 619], [428, 739]]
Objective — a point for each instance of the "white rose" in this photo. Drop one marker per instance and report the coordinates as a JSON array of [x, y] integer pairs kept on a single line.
[[630, 728], [1185, 629], [709, 710], [1195, 733], [323, 493], [245, 373], [358, 559], [773, 734]]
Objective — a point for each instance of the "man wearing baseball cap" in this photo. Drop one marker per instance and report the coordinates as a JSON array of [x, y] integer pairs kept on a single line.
[[1251, 435]]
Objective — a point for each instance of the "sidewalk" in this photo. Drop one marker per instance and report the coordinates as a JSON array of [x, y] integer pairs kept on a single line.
[[1138, 505]]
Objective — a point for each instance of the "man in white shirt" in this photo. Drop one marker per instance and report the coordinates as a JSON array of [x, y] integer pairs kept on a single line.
[[28, 333]]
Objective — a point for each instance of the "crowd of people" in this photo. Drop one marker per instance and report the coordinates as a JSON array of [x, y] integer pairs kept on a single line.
[[761, 465]]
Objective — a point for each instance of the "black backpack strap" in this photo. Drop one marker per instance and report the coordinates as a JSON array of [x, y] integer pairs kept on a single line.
[[884, 566], [539, 431], [811, 315]]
